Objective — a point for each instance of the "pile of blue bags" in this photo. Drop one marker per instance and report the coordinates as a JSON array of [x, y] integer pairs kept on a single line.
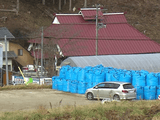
[[77, 80]]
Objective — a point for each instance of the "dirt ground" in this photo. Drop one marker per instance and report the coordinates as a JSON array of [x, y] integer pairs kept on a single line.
[[13, 100]]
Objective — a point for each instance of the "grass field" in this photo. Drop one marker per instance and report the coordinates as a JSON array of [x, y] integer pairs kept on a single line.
[[30, 86], [124, 110]]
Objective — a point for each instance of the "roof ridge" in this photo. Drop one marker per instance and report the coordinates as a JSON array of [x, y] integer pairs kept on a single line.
[[120, 13], [89, 8]]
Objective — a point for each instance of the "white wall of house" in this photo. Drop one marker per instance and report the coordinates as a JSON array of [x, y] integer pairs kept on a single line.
[[3, 43], [9, 60], [1, 56]]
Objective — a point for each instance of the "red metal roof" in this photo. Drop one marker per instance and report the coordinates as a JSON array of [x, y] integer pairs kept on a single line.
[[64, 19], [106, 47], [114, 18], [77, 18], [79, 40], [76, 37], [122, 31], [91, 14]]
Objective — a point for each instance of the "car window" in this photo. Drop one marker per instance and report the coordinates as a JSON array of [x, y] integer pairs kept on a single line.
[[101, 85], [128, 86], [112, 85], [115, 86], [107, 85]]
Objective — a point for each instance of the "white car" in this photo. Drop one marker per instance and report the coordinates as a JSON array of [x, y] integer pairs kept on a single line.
[[112, 90]]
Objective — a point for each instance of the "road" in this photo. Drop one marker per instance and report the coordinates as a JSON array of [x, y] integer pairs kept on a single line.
[[12, 100]]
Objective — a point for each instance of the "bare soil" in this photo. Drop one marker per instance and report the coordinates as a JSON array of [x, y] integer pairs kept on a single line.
[[13, 100]]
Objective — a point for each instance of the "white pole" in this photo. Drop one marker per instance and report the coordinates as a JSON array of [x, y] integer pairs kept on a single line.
[[42, 53], [6, 59]]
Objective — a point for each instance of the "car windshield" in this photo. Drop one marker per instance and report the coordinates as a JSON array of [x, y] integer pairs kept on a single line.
[[128, 86]]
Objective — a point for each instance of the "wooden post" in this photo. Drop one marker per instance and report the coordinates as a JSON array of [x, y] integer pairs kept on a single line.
[[65, 2], [43, 2], [59, 4], [17, 8], [70, 5], [85, 3]]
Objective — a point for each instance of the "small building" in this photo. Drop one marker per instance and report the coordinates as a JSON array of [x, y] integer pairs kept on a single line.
[[17, 55]]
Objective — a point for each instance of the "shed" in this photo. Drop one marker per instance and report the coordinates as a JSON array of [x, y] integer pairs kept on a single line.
[[149, 62]]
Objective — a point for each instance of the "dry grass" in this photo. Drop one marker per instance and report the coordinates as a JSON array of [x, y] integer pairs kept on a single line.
[[112, 110], [30, 86]]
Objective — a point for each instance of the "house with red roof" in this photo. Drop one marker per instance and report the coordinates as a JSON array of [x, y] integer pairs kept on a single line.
[[75, 35]]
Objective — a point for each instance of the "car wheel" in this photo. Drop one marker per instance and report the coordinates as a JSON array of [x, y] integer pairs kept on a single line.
[[116, 97], [89, 96]]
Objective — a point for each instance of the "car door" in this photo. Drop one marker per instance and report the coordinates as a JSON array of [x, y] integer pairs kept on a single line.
[[114, 89], [106, 91], [95, 91], [100, 89]]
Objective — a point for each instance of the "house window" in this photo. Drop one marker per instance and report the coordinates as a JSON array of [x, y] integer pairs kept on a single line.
[[20, 52]]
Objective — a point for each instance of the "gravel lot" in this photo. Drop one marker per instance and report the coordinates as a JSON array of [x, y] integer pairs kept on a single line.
[[12, 100]]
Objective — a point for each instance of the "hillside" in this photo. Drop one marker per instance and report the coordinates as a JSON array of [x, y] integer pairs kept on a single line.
[[144, 15]]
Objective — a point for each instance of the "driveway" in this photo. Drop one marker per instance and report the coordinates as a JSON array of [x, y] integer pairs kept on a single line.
[[12, 100]]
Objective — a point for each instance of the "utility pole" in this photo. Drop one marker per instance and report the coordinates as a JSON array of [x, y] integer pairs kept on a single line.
[[96, 29], [42, 53], [6, 59], [98, 26]]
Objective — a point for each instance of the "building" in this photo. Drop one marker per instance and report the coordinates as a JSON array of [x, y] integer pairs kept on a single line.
[[17, 55], [76, 35]]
